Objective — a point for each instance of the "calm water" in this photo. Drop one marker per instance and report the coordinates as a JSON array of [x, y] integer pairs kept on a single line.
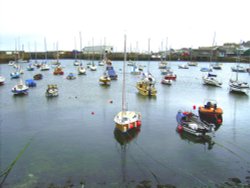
[[72, 144]]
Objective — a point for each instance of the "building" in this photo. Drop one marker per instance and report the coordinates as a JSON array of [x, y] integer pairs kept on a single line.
[[98, 49]]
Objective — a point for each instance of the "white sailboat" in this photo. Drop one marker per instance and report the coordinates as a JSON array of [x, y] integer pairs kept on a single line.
[[126, 120], [211, 78], [237, 85]]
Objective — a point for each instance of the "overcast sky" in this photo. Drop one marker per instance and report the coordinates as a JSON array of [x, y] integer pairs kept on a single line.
[[185, 23]]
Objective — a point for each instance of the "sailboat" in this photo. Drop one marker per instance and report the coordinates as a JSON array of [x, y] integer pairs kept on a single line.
[[20, 88], [237, 85], [211, 78], [76, 62], [126, 120], [146, 86], [44, 65]]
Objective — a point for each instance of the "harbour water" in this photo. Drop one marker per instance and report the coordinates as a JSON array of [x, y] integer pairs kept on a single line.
[[73, 140]]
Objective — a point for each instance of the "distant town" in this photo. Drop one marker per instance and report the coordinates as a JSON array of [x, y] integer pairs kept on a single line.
[[228, 52]]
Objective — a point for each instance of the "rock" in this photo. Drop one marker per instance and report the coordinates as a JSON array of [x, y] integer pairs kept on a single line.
[[235, 180], [166, 186]]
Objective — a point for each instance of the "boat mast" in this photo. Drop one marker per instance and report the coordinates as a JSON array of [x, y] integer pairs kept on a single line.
[[123, 80], [211, 55], [45, 48], [149, 54]]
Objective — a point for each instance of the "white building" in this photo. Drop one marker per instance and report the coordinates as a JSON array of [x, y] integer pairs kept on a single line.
[[98, 49]]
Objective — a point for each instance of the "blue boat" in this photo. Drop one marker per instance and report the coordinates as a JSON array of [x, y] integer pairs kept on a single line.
[[30, 83], [14, 75], [111, 72]]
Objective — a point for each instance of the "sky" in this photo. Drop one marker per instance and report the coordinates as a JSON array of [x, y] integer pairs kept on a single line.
[[26, 24]]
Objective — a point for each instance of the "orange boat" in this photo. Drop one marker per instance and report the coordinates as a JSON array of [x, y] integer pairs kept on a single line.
[[211, 113]]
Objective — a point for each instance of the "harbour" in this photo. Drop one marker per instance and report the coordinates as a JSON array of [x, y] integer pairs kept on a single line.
[[73, 139]]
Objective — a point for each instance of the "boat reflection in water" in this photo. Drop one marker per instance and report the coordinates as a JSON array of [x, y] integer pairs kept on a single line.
[[124, 138], [205, 139]]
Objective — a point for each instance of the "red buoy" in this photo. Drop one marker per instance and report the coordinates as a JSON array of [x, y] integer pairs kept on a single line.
[[179, 128], [92, 113]]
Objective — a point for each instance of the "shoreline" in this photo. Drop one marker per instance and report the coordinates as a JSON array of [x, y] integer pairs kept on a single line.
[[115, 56]]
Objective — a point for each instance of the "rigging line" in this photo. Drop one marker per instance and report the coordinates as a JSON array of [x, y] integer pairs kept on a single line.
[[224, 147], [9, 168], [160, 163]]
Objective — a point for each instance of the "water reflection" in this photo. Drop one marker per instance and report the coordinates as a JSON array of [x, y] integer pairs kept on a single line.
[[124, 139], [205, 140]]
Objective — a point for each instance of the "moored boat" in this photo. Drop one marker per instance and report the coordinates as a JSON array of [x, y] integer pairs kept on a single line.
[[38, 77], [146, 86], [58, 70], [191, 123], [105, 79], [15, 75], [52, 91], [211, 79], [2, 80], [71, 76], [20, 89], [81, 70], [211, 113], [30, 83], [126, 120]]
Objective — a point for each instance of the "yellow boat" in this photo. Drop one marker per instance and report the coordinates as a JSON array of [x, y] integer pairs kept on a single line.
[[105, 80], [146, 88]]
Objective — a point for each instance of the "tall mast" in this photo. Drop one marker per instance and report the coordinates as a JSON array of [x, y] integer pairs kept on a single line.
[[45, 48], [149, 53], [123, 80]]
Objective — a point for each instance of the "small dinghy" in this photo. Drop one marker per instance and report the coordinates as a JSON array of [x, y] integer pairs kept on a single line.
[[191, 123]]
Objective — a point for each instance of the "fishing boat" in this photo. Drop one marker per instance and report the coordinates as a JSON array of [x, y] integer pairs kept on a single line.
[[211, 113], [81, 70], [52, 91], [58, 70], [191, 123], [146, 86], [126, 120], [211, 79], [2, 80], [30, 83], [38, 77], [20, 89], [71, 76], [105, 79]]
